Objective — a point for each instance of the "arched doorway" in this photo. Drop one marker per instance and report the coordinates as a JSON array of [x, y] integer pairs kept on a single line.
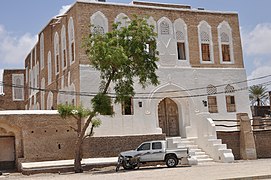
[[168, 116]]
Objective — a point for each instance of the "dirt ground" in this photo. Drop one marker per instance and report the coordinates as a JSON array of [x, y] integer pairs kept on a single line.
[[254, 169]]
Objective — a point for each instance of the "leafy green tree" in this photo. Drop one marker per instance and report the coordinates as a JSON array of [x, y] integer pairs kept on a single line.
[[124, 56], [258, 93]]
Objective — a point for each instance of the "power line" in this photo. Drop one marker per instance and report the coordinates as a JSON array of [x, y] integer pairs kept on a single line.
[[93, 94], [135, 97], [111, 94]]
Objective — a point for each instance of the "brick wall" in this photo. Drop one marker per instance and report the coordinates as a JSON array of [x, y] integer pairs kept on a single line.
[[112, 146], [6, 101], [262, 142], [44, 137], [263, 145], [232, 139]]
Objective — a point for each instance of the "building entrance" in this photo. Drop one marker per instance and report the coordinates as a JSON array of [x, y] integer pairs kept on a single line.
[[7, 152], [168, 116]]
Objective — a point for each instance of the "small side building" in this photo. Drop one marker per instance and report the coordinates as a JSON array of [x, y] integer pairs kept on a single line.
[[12, 97]]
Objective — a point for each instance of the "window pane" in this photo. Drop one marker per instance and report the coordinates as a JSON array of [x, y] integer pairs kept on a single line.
[[18, 89], [57, 63], [64, 57], [226, 52], [144, 147], [181, 51], [212, 104], [127, 107], [157, 145], [230, 102], [205, 49], [72, 49]]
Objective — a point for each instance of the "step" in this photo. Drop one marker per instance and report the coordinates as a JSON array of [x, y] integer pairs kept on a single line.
[[202, 156], [225, 150], [221, 146], [215, 141], [205, 160], [185, 142], [200, 153], [190, 146], [195, 150]]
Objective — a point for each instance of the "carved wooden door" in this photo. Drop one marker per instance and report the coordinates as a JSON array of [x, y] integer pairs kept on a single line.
[[168, 117]]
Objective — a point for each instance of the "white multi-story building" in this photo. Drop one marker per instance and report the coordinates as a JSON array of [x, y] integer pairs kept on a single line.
[[201, 70]]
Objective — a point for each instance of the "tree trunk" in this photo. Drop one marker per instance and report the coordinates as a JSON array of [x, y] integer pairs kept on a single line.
[[79, 142], [78, 147], [258, 101], [78, 156]]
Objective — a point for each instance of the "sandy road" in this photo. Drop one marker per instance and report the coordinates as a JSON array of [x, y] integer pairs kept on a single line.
[[207, 171]]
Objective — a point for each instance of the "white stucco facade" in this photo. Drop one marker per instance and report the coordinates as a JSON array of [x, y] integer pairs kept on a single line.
[[185, 86]]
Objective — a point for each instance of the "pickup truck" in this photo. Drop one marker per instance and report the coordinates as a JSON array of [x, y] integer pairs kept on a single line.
[[152, 151]]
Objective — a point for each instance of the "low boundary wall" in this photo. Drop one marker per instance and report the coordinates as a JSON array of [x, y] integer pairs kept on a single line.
[[262, 141]]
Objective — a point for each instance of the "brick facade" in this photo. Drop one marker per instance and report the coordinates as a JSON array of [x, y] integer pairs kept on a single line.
[[81, 12]]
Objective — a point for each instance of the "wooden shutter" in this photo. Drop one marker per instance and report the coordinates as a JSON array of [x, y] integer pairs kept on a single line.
[[205, 49], [226, 52]]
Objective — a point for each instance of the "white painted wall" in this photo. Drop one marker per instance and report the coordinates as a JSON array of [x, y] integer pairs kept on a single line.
[[145, 119]]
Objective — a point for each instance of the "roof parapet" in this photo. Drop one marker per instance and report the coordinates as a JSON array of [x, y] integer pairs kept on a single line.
[[156, 4]]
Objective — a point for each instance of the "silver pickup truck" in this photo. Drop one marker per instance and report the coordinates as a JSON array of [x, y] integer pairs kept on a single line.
[[152, 151]]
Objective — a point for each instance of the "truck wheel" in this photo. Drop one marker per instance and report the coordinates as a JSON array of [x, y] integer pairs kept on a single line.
[[128, 166], [171, 161]]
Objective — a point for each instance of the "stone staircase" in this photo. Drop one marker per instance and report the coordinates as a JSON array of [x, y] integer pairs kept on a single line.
[[195, 151]]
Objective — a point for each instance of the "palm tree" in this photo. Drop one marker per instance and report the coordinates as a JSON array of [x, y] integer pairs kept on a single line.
[[258, 93]]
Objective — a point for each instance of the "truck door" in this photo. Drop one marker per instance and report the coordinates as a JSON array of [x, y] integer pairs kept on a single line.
[[144, 151], [157, 153]]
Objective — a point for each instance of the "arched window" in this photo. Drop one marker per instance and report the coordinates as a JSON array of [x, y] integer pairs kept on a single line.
[[71, 40], [205, 42], [99, 23], [42, 51], [42, 94], [37, 75], [152, 22], [123, 19], [166, 43], [18, 88], [63, 47], [50, 101], [165, 28], [212, 101], [49, 61], [56, 48], [182, 40], [71, 97], [150, 45], [230, 99], [225, 43]]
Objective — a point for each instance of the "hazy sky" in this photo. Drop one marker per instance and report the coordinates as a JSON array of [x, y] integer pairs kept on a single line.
[[22, 20]]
